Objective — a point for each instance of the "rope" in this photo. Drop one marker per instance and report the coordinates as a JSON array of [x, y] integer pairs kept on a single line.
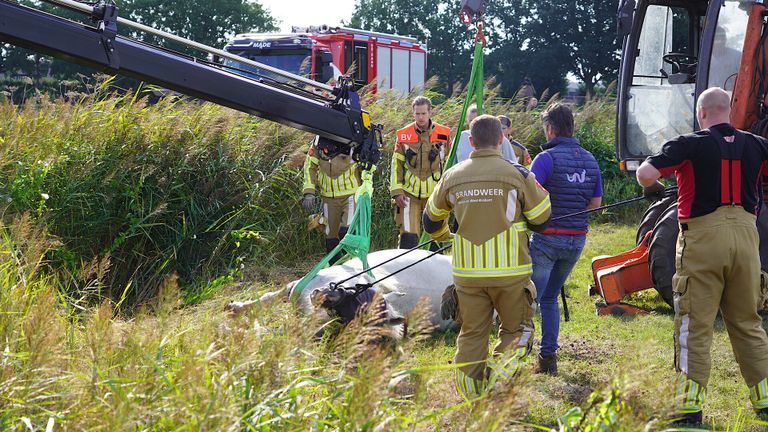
[[360, 287], [618, 204], [368, 270]]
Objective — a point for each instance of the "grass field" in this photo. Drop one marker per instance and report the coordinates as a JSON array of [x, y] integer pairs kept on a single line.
[[126, 227], [193, 368]]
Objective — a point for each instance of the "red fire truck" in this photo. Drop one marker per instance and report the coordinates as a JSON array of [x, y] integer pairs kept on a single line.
[[322, 53]]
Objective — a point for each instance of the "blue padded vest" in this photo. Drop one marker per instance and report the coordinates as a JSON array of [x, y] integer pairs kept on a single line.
[[572, 182]]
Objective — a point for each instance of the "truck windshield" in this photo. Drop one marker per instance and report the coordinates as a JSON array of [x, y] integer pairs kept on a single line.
[[657, 109], [298, 62]]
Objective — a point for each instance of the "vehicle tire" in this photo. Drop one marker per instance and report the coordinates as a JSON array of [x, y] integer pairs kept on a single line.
[[762, 231], [651, 215], [661, 253]]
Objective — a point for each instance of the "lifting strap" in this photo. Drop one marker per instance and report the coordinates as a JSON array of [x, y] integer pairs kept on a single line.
[[474, 90], [357, 241]]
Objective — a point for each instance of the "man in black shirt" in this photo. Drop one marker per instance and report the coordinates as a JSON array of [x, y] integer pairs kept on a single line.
[[718, 172]]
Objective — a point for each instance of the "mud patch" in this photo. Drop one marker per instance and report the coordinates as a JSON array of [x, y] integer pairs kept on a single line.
[[578, 348]]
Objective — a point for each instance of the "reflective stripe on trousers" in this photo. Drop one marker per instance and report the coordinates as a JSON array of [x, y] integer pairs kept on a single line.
[[504, 368], [468, 387], [758, 394], [690, 395]]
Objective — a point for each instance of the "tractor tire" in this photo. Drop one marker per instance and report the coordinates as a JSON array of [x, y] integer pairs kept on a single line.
[[661, 253], [652, 214], [762, 231]]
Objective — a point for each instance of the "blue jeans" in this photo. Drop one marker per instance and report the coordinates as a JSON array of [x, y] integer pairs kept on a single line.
[[553, 257]]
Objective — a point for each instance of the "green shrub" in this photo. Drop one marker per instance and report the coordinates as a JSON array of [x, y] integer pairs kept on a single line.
[[136, 192]]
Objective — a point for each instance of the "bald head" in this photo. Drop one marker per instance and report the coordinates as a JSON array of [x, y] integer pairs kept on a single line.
[[713, 107]]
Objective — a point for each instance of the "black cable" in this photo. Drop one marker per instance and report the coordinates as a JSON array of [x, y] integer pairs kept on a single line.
[[382, 263], [362, 287], [618, 204]]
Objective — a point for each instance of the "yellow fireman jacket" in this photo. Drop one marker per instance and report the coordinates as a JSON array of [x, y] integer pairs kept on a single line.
[[332, 178], [417, 160], [493, 200]]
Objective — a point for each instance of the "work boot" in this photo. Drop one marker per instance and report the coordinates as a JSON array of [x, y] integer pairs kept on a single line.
[[408, 241], [434, 247], [330, 245], [547, 364], [688, 419], [342, 232]]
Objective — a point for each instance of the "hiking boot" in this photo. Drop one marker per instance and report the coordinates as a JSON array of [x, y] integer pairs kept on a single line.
[[688, 419], [762, 414], [547, 364]]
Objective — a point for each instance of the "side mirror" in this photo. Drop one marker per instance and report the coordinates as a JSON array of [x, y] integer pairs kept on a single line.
[[326, 66], [625, 16]]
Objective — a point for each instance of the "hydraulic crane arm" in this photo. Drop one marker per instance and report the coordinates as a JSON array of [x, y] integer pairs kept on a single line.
[[338, 119], [749, 91]]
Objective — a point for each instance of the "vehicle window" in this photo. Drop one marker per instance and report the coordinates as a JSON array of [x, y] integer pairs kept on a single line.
[[727, 45], [298, 62], [665, 30], [657, 110]]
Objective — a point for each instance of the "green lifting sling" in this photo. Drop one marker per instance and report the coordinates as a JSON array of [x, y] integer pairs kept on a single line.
[[357, 241], [474, 89]]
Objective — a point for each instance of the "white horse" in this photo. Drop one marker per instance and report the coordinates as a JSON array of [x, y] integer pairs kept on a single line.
[[426, 279]]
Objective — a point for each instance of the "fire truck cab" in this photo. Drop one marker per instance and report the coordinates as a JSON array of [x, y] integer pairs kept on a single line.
[[323, 53]]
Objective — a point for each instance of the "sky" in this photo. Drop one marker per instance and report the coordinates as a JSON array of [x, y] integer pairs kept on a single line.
[[309, 12]]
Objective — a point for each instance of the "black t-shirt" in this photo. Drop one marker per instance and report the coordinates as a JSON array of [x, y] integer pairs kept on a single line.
[[712, 172]]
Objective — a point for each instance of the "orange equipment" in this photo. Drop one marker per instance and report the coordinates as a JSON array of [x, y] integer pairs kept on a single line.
[[620, 275], [672, 51]]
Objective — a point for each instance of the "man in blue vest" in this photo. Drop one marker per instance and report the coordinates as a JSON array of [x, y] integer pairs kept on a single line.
[[572, 177]]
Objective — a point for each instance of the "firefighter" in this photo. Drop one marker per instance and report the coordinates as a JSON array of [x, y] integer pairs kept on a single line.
[[337, 180], [417, 164], [717, 263], [521, 152], [495, 202], [464, 149]]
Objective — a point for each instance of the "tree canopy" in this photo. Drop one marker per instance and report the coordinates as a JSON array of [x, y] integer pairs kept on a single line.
[[208, 22], [543, 41]]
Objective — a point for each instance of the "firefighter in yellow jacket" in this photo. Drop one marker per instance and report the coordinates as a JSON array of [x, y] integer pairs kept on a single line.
[[336, 180], [495, 202], [417, 164]]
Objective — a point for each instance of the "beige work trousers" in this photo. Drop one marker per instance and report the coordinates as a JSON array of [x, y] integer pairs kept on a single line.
[[408, 218], [338, 213], [718, 266], [515, 307]]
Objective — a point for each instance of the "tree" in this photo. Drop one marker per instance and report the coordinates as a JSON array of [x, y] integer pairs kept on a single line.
[[449, 41], [594, 46], [547, 50], [211, 23], [208, 22], [507, 37]]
